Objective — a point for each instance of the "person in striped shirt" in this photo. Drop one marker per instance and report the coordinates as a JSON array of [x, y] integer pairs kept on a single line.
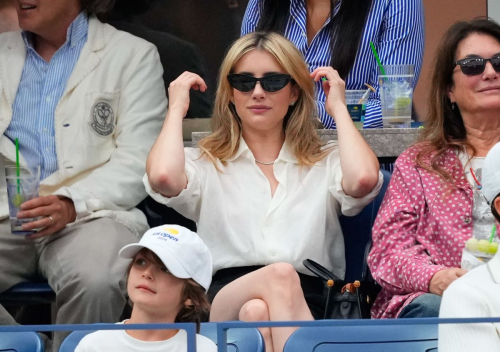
[[338, 33]]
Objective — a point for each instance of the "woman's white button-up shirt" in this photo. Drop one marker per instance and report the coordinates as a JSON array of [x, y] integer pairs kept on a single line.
[[242, 224]]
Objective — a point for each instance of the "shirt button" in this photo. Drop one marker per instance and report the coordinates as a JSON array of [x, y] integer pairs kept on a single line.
[[47, 99], [273, 253], [467, 219], [47, 149]]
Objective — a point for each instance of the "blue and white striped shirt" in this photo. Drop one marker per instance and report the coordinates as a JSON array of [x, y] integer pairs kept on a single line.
[[40, 89], [396, 27]]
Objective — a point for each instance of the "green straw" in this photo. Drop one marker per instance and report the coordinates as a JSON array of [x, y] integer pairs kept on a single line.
[[17, 167], [493, 232], [377, 58]]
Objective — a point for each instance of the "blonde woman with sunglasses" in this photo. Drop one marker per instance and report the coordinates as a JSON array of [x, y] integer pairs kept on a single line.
[[264, 190]]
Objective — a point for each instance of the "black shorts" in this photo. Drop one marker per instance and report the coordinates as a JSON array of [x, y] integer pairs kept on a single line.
[[312, 286]]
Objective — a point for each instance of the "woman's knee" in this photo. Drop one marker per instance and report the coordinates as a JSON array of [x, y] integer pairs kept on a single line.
[[254, 310], [283, 276]]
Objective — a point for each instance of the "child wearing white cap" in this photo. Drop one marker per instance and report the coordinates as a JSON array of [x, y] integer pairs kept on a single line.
[[170, 272], [477, 293]]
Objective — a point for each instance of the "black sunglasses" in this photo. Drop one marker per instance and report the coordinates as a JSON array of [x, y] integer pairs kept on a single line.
[[270, 83], [476, 65]]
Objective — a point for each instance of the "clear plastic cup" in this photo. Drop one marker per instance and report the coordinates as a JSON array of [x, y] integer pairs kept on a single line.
[[396, 94], [356, 105], [21, 188]]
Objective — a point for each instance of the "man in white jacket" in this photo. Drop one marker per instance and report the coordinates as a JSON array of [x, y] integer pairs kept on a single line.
[[86, 102], [477, 293]]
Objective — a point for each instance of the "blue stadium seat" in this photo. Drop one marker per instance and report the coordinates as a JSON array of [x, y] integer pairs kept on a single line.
[[371, 338], [238, 340], [26, 293], [72, 340], [20, 342], [358, 233]]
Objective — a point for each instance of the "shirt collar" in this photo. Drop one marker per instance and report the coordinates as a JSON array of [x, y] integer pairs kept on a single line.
[[77, 30], [297, 5], [284, 155], [242, 148]]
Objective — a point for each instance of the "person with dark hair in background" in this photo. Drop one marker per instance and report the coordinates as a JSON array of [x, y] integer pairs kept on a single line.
[[86, 102], [338, 33], [176, 55], [8, 16], [435, 201]]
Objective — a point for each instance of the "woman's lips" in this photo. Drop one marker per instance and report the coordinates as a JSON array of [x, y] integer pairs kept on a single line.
[[259, 109], [488, 89]]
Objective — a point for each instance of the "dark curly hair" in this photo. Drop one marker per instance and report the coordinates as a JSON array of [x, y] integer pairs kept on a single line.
[[97, 7], [199, 307]]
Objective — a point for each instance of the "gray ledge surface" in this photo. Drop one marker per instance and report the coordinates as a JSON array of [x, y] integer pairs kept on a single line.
[[388, 142]]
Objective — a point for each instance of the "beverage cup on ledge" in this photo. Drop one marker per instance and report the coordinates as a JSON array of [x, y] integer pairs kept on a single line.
[[21, 188], [356, 105], [396, 94]]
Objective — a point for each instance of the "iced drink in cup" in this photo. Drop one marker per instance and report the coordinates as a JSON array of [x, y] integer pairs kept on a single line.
[[20, 189], [356, 105], [396, 94]]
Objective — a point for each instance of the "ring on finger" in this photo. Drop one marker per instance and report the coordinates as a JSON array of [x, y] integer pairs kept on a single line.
[[51, 220]]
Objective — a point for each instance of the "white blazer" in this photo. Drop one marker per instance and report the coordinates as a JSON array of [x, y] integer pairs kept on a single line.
[[474, 295], [101, 162]]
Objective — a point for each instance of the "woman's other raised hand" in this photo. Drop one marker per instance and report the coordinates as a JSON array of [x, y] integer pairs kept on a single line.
[[334, 88], [178, 91]]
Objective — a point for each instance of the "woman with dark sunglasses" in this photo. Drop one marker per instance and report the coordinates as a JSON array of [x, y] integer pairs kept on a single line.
[[435, 201], [263, 188]]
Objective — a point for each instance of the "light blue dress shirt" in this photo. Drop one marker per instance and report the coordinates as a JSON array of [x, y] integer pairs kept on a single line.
[[40, 89]]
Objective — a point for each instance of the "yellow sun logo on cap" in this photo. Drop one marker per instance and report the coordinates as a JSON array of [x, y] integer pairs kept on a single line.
[[171, 230]]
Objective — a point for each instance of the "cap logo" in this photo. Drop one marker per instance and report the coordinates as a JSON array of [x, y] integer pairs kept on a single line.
[[171, 230], [164, 236]]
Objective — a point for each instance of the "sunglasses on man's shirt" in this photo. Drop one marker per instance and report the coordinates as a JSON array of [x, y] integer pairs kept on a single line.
[[473, 66]]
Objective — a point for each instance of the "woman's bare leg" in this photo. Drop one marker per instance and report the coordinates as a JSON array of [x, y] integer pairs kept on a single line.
[[257, 310], [278, 285]]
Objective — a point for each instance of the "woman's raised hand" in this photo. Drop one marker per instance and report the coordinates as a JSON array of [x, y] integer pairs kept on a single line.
[[178, 91], [334, 88]]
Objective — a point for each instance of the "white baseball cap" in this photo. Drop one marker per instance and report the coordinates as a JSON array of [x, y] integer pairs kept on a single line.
[[181, 250], [491, 174]]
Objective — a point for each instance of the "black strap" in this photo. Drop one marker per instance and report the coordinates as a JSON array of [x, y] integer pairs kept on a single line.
[[320, 271]]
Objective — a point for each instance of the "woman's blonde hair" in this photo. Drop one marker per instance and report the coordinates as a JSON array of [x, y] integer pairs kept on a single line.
[[298, 124]]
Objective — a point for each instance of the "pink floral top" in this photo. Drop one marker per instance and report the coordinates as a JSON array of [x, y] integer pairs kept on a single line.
[[421, 228]]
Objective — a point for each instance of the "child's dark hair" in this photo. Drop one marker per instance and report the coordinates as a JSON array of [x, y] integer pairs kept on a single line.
[[200, 306]]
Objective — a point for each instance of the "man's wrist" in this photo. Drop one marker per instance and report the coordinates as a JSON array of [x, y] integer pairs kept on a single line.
[[70, 206]]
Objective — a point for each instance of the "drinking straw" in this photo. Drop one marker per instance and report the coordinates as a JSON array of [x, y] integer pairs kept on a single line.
[[364, 96], [377, 58], [17, 167], [493, 232], [369, 86]]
